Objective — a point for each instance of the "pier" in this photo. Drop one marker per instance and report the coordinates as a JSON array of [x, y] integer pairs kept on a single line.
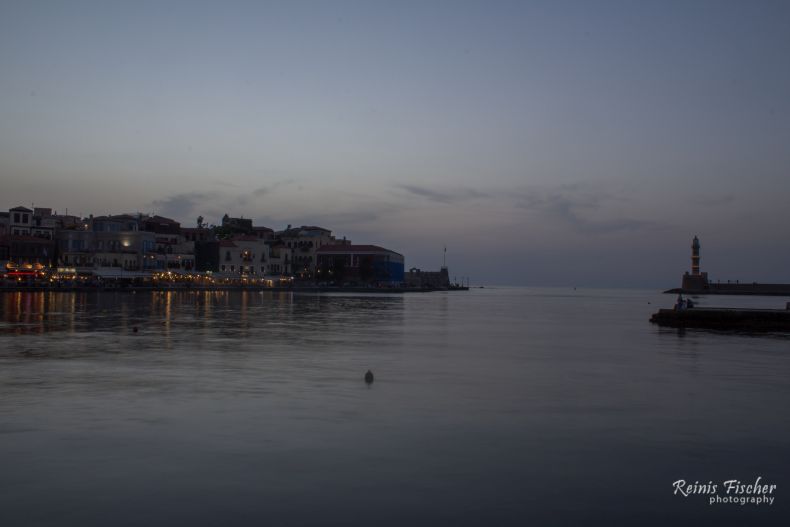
[[697, 282], [724, 319]]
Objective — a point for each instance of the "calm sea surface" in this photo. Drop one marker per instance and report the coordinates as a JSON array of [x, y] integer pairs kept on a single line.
[[497, 406]]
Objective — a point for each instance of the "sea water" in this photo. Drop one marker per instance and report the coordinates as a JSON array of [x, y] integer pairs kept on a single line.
[[494, 406]]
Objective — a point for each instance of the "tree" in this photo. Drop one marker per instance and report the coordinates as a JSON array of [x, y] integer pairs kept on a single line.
[[200, 223]]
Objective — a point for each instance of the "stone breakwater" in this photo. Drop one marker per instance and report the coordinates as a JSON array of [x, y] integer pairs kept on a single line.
[[724, 319]]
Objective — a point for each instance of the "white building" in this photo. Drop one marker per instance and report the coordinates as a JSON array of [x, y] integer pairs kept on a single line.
[[248, 257], [301, 244]]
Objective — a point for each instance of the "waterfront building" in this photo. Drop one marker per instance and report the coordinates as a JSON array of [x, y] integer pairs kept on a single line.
[[75, 249], [5, 247], [240, 257], [173, 250], [237, 225], [20, 221], [197, 234], [278, 259], [359, 264], [264, 233], [29, 238], [301, 245], [119, 243], [420, 279], [140, 246]]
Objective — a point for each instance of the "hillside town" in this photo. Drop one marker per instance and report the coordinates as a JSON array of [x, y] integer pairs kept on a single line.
[[40, 246]]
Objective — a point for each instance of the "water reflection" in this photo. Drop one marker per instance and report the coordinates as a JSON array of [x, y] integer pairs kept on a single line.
[[188, 314]]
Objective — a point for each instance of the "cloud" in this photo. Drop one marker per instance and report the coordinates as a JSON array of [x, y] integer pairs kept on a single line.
[[268, 189], [713, 201], [180, 206], [574, 204], [442, 196], [349, 218]]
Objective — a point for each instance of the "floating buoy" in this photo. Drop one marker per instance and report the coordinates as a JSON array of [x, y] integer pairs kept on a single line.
[[369, 377], [134, 329]]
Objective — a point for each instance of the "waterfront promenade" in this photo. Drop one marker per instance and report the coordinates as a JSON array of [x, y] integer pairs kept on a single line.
[[221, 287]]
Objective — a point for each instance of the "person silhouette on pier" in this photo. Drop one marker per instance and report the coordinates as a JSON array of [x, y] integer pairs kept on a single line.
[[680, 304]]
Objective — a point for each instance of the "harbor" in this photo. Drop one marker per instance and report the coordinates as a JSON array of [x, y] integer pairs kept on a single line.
[[43, 250], [686, 314], [697, 282]]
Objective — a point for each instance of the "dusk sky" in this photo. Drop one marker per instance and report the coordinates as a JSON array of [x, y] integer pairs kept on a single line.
[[544, 143]]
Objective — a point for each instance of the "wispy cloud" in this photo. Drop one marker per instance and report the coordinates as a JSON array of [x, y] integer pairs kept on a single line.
[[713, 201], [268, 189], [578, 206], [442, 196]]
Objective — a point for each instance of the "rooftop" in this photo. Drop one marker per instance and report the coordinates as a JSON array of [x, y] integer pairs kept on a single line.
[[344, 249], [116, 217], [161, 219], [304, 230]]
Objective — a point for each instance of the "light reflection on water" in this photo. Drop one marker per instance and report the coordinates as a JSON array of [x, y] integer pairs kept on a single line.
[[496, 406]]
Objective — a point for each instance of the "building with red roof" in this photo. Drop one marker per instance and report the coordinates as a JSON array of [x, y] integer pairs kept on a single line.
[[362, 264]]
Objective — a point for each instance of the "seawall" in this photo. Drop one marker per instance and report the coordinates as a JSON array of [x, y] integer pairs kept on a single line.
[[753, 288], [725, 319]]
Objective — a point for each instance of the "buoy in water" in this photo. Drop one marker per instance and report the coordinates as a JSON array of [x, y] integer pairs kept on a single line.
[[369, 377], [134, 329]]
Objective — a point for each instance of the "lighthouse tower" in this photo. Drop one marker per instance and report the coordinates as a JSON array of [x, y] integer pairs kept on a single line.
[[695, 257], [696, 281]]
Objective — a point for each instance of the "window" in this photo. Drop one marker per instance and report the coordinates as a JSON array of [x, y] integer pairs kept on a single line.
[[223, 267], [24, 218], [227, 256], [263, 268], [16, 217], [232, 267]]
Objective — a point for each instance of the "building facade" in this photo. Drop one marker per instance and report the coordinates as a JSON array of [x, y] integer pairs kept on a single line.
[[240, 257], [420, 279], [301, 245], [359, 264]]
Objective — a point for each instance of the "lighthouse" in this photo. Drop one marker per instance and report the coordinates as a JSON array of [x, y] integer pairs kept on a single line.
[[695, 257], [696, 281]]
